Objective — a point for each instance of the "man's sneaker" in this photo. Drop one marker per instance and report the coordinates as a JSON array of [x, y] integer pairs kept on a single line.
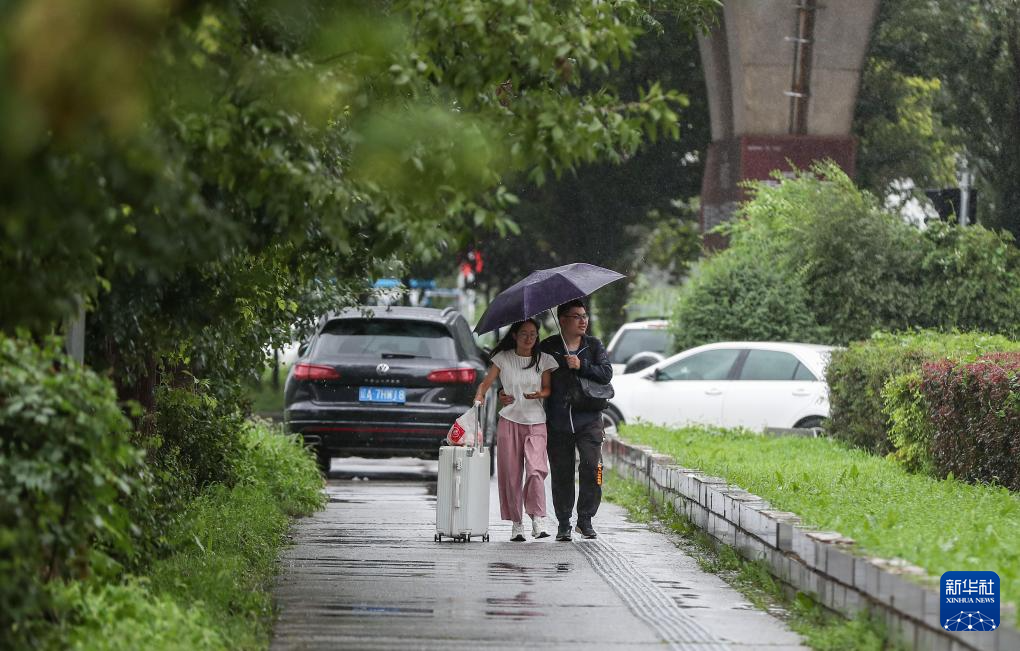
[[585, 529], [517, 535], [538, 528], [563, 531]]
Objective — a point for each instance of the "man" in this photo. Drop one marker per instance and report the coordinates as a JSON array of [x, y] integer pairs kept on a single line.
[[571, 430]]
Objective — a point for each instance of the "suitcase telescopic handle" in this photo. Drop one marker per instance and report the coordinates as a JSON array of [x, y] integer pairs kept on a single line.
[[479, 435]]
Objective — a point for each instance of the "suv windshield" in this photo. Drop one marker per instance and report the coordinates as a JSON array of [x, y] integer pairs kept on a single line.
[[632, 342], [385, 338]]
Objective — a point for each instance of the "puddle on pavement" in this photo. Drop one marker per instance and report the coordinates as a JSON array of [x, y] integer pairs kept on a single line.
[[680, 603], [629, 527], [363, 610], [514, 608], [520, 599], [380, 568], [355, 541], [513, 614], [669, 584], [527, 574]]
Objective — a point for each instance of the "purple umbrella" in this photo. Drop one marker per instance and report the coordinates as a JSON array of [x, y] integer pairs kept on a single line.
[[543, 290]]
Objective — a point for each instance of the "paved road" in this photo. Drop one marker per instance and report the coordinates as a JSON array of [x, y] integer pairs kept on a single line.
[[366, 574]]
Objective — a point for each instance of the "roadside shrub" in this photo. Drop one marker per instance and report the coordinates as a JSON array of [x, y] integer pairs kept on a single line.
[[226, 543], [282, 463], [741, 295], [196, 434], [858, 263], [212, 589], [191, 440], [66, 465], [971, 279], [851, 267], [858, 374], [128, 616], [976, 423]]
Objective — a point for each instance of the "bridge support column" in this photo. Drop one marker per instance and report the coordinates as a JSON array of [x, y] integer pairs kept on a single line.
[[782, 79]]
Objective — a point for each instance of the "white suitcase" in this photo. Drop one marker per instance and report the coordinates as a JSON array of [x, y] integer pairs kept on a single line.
[[462, 492]]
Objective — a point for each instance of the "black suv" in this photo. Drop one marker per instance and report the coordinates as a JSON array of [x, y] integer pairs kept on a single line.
[[385, 381]]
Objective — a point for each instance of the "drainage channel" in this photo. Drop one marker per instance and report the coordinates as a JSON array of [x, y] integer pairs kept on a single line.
[[646, 600]]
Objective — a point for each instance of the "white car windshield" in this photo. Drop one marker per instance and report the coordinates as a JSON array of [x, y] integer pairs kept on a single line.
[[632, 342]]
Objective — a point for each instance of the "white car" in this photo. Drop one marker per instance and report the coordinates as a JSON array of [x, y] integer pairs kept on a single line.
[[732, 384], [638, 345]]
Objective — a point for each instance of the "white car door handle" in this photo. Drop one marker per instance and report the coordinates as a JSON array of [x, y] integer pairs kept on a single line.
[[801, 393], [713, 392]]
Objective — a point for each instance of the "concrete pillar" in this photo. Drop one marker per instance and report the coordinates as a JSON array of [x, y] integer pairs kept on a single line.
[[74, 340], [782, 79]]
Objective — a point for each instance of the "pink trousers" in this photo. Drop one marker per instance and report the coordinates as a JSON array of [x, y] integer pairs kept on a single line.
[[520, 450]]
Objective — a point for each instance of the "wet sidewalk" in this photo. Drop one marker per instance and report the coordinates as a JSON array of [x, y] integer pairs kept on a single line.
[[365, 573]]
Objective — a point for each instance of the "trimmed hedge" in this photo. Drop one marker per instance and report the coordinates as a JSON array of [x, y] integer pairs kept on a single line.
[[975, 418], [910, 428], [858, 375]]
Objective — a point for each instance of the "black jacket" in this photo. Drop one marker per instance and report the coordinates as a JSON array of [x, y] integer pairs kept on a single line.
[[594, 365]]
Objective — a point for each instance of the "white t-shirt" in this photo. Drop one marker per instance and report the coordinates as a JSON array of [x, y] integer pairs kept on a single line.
[[517, 381]]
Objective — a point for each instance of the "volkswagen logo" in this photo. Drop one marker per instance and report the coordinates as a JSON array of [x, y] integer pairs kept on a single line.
[[382, 369]]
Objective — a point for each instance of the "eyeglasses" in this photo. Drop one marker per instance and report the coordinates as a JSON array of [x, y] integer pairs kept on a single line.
[[579, 317]]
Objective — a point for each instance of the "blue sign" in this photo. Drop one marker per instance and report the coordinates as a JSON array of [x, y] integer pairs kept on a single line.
[[382, 394], [970, 601]]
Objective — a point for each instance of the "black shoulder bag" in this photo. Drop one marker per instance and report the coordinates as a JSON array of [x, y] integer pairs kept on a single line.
[[588, 395]]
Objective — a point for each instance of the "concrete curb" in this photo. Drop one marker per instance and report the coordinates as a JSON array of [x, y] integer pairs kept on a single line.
[[825, 564]]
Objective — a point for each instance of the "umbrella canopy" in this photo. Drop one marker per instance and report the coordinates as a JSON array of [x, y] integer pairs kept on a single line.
[[543, 290]]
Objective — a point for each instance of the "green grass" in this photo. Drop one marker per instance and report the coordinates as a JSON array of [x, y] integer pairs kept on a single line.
[[939, 525], [264, 398], [213, 590], [820, 628]]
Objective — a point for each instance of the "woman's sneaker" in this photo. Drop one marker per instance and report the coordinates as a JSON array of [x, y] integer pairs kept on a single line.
[[539, 529], [517, 534]]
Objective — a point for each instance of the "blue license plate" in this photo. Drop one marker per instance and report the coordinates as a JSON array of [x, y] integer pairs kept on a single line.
[[382, 394]]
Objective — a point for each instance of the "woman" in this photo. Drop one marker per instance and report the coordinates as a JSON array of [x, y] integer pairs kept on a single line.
[[524, 372]]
